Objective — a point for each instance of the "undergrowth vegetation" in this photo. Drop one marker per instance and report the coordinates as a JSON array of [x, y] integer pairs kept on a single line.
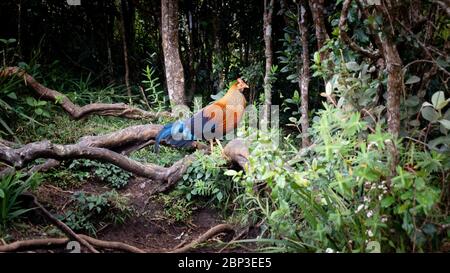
[[89, 212]]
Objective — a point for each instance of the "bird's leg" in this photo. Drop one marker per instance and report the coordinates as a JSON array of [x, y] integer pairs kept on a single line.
[[221, 148], [211, 142]]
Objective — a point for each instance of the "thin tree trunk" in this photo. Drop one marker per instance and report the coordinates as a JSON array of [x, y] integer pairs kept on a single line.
[[305, 73], [172, 61], [19, 29], [125, 50], [191, 55], [108, 48], [268, 12], [317, 11], [394, 85]]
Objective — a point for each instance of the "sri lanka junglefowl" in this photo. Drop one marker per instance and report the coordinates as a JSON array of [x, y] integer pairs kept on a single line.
[[210, 123]]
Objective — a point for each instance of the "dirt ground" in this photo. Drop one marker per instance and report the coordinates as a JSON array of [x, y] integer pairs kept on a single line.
[[147, 228]]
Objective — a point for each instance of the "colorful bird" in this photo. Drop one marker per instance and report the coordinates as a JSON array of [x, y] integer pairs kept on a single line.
[[210, 123]]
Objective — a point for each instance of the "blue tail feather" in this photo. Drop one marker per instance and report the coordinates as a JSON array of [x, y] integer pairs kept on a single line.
[[176, 134]]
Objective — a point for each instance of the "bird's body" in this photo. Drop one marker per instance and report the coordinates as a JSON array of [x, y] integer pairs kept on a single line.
[[212, 122]]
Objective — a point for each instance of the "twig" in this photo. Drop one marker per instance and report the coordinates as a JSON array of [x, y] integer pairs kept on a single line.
[[144, 97]]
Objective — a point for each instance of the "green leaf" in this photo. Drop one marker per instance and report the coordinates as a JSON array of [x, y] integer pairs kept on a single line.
[[30, 101], [412, 101], [414, 123], [38, 111], [412, 80], [329, 88], [430, 114], [230, 173], [12, 95], [445, 123], [387, 202], [219, 196], [2, 194], [353, 66], [317, 57], [438, 100]]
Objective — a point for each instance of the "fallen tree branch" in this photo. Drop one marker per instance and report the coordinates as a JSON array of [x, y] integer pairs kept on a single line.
[[64, 228], [20, 157], [92, 148], [78, 112], [222, 228]]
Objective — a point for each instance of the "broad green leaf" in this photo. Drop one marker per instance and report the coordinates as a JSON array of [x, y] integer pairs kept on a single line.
[[329, 88], [30, 101], [317, 57], [438, 100], [387, 202], [445, 123], [430, 114], [353, 66], [412, 80], [2, 194], [219, 196], [230, 173], [38, 111], [412, 101], [12, 95], [414, 123]]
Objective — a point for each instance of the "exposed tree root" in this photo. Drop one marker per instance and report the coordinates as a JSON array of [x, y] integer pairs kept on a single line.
[[33, 243], [222, 228], [78, 112], [49, 242]]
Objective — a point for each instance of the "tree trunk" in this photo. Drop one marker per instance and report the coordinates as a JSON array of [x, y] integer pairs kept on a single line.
[[172, 61], [268, 12], [125, 49], [191, 52], [317, 10], [305, 73], [394, 85]]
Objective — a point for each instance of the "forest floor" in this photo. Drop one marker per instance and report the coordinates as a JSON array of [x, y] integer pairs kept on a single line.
[[149, 227]]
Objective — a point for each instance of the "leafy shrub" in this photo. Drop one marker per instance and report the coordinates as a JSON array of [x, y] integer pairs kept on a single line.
[[89, 210], [11, 187], [113, 175], [341, 194], [176, 209], [204, 178]]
